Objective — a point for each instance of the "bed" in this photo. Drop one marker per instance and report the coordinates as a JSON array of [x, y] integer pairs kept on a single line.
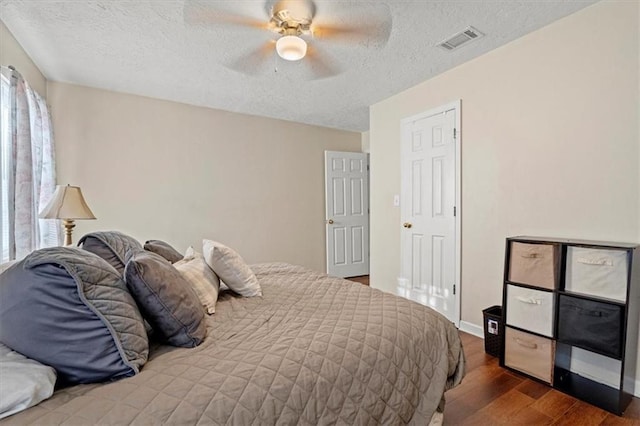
[[312, 350]]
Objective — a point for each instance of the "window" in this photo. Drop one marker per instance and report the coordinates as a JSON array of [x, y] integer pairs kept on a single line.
[[26, 145], [4, 168]]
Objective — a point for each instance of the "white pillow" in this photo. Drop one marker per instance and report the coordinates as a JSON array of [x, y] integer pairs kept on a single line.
[[203, 280], [231, 269], [24, 382]]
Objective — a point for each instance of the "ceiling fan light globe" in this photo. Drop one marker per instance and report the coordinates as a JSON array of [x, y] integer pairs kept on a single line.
[[291, 48]]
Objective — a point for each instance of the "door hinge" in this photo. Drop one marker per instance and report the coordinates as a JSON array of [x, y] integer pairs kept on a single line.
[[454, 289], [454, 211], [367, 167], [455, 133]]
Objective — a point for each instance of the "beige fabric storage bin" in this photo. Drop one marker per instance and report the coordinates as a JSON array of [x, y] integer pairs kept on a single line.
[[530, 354], [530, 309], [533, 264], [597, 272]]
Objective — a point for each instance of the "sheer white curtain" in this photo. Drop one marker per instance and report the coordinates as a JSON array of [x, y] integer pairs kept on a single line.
[[27, 159]]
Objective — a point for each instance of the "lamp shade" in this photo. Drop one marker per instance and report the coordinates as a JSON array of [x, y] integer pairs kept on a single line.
[[291, 48], [67, 203]]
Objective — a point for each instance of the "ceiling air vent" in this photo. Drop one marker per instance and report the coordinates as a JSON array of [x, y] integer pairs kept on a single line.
[[461, 38]]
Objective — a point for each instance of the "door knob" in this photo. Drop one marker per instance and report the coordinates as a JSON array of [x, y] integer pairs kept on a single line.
[[330, 221], [406, 225]]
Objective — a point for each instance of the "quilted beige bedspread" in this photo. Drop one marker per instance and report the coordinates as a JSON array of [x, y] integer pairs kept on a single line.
[[312, 350]]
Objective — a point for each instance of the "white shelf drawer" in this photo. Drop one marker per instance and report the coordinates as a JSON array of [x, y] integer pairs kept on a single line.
[[533, 264], [530, 354], [597, 272], [530, 309]]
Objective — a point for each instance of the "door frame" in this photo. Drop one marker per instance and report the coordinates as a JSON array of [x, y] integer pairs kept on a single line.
[[457, 106]]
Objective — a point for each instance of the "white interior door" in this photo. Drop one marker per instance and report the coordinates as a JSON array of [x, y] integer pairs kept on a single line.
[[347, 213], [429, 271]]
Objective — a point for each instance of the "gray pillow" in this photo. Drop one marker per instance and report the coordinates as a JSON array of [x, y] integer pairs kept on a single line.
[[69, 309], [113, 246], [166, 300], [164, 250]]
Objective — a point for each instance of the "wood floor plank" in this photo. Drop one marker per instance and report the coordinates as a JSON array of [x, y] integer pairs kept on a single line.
[[480, 375], [507, 406], [479, 358], [456, 412], [530, 416], [362, 279], [633, 410], [476, 379], [479, 419], [533, 389], [582, 414], [481, 395], [613, 420], [554, 404]]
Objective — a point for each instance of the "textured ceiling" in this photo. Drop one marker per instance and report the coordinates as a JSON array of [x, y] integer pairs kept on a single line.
[[212, 53]]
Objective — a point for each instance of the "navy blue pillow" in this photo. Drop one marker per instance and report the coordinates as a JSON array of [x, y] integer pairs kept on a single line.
[[69, 309]]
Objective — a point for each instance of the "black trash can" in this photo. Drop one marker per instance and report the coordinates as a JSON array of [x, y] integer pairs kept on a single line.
[[493, 330]]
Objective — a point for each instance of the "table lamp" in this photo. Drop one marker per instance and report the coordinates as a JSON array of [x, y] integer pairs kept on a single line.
[[67, 204]]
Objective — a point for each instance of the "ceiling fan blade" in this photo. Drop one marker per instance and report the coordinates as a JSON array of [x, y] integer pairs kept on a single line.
[[206, 13], [252, 62], [376, 34], [367, 23], [322, 66]]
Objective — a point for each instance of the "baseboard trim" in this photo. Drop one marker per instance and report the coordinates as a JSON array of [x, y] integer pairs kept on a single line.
[[478, 331], [471, 328]]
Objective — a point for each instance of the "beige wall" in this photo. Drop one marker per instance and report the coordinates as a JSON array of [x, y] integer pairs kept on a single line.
[[11, 53], [550, 146], [158, 169]]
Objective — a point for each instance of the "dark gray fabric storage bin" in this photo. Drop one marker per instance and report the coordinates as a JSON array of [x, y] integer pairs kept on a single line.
[[591, 325]]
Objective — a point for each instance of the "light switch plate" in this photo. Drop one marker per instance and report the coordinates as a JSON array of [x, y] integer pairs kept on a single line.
[[396, 200]]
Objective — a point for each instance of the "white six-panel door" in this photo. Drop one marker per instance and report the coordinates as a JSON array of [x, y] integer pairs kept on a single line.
[[428, 203], [347, 213]]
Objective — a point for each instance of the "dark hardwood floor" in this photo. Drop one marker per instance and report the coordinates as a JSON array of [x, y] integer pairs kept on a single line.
[[490, 395], [364, 279]]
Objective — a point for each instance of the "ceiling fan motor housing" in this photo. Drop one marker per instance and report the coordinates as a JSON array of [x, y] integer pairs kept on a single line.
[[292, 17]]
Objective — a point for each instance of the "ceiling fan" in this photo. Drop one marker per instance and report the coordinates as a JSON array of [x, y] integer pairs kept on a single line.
[[291, 19], [296, 31]]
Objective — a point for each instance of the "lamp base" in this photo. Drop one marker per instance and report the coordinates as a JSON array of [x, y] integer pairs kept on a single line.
[[68, 229]]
